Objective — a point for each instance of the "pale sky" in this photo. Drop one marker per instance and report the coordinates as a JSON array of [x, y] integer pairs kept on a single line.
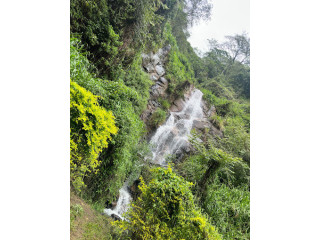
[[228, 17]]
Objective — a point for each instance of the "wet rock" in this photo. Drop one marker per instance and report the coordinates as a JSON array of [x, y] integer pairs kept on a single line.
[[154, 77], [209, 112], [160, 70], [212, 111], [170, 138], [215, 132], [200, 125], [178, 155], [155, 59], [157, 90], [163, 82], [149, 68], [177, 105], [154, 103], [154, 93], [114, 204], [116, 217], [109, 205]]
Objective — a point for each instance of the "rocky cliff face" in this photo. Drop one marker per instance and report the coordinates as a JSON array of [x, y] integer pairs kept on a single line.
[[154, 65], [204, 125]]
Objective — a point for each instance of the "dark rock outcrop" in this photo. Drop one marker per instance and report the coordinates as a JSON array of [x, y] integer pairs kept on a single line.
[[116, 217]]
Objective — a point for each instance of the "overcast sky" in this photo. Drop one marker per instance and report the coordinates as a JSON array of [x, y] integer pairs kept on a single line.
[[228, 17]]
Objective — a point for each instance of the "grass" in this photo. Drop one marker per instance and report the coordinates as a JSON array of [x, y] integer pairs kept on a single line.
[[86, 223]]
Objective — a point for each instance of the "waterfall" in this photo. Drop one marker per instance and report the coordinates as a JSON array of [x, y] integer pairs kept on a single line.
[[173, 135], [122, 203], [168, 140]]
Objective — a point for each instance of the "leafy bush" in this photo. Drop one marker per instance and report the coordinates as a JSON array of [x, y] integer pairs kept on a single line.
[[222, 105], [227, 109], [222, 185], [178, 68], [137, 79], [219, 89], [158, 118], [91, 129], [116, 161], [237, 139], [166, 210], [192, 168], [229, 210], [238, 175], [90, 19], [218, 122], [164, 103], [119, 158]]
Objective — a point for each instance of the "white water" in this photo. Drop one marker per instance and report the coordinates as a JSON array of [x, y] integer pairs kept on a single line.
[[168, 139], [122, 203], [174, 134]]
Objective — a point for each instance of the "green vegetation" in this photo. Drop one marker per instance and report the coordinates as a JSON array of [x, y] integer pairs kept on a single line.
[[158, 118], [178, 67], [164, 103], [229, 209], [87, 223], [206, 194], [222, 188], [91, 128], [118, 159], [165, 209]]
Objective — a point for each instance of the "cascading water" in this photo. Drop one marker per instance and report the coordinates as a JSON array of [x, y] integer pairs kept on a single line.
[[173, 135], [122, 203], [168, 139]]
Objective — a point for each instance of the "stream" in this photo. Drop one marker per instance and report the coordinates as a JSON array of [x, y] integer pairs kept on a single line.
[[169, 139]]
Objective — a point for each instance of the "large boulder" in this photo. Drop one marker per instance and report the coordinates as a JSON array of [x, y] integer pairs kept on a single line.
[[164, 82], [177, 105], [160, 70], [211, 112], [156, 60], [154, 77], [200, 124], [149, 68], [163, 52]]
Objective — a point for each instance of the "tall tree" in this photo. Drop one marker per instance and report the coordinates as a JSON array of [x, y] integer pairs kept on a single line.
[[238, 47]]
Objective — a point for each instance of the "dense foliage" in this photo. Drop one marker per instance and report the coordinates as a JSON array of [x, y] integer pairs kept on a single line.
[[222, 183], [91, 127], [118, 160], [90, 19], [158, 118], [165, 209], [229, 210], [178, 67], [110, 90]]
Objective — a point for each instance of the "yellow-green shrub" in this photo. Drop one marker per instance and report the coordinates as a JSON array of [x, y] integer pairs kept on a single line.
[[91, 127], [166, 210]]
